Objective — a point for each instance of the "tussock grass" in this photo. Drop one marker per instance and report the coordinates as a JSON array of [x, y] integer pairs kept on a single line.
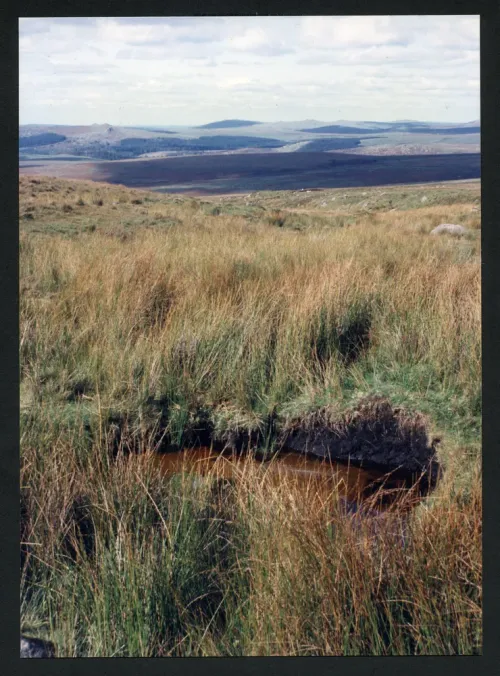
[[142, 324], [217, 311], [198, 567]]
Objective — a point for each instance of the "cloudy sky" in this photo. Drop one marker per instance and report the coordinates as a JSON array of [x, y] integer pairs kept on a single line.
[[173, 71]]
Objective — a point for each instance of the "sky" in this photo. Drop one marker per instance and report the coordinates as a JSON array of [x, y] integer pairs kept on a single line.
[[194, 70]]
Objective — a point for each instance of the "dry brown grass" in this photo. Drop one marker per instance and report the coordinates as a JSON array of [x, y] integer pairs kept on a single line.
[[294, 574], [164, 315], [116, 299]]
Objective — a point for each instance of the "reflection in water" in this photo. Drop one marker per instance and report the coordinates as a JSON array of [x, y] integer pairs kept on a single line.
[[314, 475]]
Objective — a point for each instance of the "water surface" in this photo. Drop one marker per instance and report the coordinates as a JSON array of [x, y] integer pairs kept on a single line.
[[313, 475]]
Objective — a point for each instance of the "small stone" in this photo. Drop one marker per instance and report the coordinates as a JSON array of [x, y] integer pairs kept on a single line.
[[424, 198], [35, 647], [450, 229]]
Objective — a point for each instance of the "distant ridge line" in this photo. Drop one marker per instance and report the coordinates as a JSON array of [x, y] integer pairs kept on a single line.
[[227, 124]]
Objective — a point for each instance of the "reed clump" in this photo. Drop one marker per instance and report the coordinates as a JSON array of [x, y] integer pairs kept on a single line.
[[198, 566]]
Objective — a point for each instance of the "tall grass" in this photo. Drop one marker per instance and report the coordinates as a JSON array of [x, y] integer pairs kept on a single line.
[[237, 325], [217, 312], [199, 567]]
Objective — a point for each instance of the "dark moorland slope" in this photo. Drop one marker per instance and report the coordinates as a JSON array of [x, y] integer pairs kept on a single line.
[[267, 171]]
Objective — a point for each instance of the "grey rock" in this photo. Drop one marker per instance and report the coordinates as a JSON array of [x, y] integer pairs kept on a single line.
[[424, 198], [450, 229], [36, 648]]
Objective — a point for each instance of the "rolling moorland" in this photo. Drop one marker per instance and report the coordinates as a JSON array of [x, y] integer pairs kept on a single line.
[[242, 156], [104, 141], [154, 322]]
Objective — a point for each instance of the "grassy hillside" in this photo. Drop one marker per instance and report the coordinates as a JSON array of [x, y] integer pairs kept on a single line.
[[147, 318]]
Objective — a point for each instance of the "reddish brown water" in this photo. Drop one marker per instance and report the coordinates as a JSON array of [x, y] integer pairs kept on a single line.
[[304, 472]]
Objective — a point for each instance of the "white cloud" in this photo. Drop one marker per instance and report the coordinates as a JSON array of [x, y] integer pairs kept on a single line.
[[231, 83], [190, 70], [111, 31], [320, 32], [252, 38]]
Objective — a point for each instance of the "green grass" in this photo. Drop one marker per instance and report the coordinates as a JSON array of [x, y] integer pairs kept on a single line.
[[145, 324], [382, 198]]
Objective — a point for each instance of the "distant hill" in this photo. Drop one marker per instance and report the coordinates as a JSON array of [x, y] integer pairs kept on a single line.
[[322, 145], [40, 140], [449, 130], [340, 129], [153, 130], [107, 142], [227, 124], [401, 126], [138, 146]]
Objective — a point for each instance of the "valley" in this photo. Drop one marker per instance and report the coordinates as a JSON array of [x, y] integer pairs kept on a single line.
[[237, 156]]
